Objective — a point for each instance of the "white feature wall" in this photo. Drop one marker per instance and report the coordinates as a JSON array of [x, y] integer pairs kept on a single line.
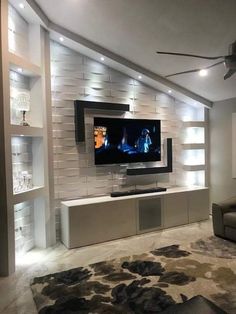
[[75, 76]]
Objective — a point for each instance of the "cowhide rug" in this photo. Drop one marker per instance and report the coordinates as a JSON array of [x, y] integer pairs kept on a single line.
[[143, 284]]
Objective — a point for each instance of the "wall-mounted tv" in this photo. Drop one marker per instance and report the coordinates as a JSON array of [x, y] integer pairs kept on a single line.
[[118, 141]]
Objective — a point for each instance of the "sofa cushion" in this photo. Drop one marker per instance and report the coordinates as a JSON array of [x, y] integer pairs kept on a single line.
[[230, 219], [195, 305]]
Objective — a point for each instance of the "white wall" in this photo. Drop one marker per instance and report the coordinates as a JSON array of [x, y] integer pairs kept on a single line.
[[75, 76], [221, 182]]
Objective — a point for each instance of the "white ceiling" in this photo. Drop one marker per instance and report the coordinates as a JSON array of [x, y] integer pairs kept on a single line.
[[136, 29]]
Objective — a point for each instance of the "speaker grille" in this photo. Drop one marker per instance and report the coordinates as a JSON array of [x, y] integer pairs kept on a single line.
[[150, 214]]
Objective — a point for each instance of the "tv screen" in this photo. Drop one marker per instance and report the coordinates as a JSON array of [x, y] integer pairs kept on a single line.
[[119, 141]]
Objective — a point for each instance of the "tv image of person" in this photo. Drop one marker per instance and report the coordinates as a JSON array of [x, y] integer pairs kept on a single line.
[[123, 145], [144, 141]]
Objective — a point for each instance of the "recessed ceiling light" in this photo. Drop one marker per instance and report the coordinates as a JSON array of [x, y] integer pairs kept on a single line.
[[169, 91], [19, 70], [21, 5], [203, 72], [102, 58], [61, 39], [140, 77]]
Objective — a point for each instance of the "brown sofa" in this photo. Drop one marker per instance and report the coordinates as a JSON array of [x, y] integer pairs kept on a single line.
[[224, 219]]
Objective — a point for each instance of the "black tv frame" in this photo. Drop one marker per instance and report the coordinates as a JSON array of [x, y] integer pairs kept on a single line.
[[152, 170], [81, 105]]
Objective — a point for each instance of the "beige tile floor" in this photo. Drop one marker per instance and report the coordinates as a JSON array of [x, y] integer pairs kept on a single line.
[[15, 293]]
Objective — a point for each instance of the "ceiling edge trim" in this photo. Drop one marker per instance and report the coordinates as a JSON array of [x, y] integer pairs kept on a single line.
[[115, 57], [37, 9]]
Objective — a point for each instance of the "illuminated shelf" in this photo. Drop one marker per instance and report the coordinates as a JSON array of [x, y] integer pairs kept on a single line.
[[29, 69], [194, 146], [19, 130], [194, 124], [28, 195], [194, 167]]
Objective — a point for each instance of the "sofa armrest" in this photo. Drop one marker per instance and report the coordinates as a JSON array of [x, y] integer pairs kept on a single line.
[[217, 219], [218, 211], [228, 205]]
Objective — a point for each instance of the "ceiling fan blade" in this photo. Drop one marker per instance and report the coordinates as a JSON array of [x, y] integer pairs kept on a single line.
[[213, 65], [184, 72], [188, 55], [195, 70], [229, 74]]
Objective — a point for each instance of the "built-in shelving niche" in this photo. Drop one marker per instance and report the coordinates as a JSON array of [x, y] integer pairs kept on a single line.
[[31, 86], [193, 157], [29, 225], [25, 61], [195, 177], [194, 153], [24, 227], [25, 50], [27, 163], [194, 135]]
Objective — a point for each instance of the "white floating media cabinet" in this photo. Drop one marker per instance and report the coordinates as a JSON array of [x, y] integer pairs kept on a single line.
[[93, 220]]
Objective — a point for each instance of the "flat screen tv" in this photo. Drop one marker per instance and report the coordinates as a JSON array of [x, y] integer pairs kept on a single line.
[[118, 141]]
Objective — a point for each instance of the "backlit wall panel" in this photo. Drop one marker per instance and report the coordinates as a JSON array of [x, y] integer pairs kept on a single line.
[[75, 76]]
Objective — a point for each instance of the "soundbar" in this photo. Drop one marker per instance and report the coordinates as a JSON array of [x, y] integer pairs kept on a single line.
[[138, 191]]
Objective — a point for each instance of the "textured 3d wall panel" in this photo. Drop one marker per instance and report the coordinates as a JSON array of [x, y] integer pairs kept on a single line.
[[75, 76]]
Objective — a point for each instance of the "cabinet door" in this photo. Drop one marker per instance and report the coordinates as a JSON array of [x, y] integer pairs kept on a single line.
[[149, 214], [99, 222], [198, 204], [175, 210]]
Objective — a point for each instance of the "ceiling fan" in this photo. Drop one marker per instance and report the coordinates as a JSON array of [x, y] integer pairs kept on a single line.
[[229, 61]]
